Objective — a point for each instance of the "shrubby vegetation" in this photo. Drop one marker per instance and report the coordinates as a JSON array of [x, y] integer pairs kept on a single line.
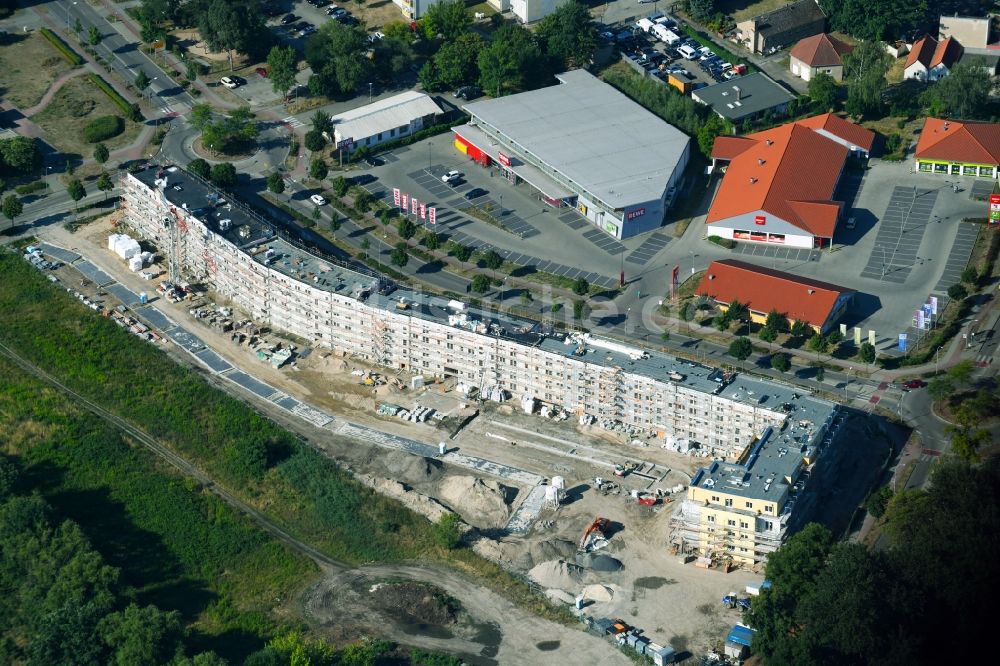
[[103, 128], [18, 155]]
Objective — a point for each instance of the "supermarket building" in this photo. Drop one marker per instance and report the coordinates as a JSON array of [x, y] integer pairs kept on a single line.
[[582, 143], [952, 148]]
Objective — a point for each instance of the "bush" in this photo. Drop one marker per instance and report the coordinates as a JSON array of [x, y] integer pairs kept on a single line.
[[65, 51], [727, 243], [31, 188], [340, 185], [957, 292], [481, 284], [314, 141], [224, 174], [780, 362], [130, 110], [103, 128], [200, 167], [447, 531]]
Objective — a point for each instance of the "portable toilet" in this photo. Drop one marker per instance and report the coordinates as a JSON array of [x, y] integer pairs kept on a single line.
[[661, 654]]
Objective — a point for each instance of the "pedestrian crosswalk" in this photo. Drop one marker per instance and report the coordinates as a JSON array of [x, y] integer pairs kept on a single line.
[[984, 360], [293, 121]]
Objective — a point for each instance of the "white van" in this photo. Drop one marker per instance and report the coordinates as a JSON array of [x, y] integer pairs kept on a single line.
[[687, 51], [644, 24], [660, 32]]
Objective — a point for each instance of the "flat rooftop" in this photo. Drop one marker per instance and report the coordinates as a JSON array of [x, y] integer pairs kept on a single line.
[[773, 460], [593, 135], [744, 96], [257, 237]]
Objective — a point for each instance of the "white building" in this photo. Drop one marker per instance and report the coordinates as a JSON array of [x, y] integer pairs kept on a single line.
[[414, 9], [529, 11], [930, 60], [384, 120], [582, 143], [248, 266]]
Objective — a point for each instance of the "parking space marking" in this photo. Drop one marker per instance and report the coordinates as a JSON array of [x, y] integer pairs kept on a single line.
[[648, 249], [958, 257], [900, 233]]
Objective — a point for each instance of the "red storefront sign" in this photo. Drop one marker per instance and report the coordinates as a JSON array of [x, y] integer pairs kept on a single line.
[[634, 213], [995, 209], [759, 219], [503, 159]]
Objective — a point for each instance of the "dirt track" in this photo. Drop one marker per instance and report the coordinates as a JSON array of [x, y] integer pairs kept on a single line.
[[499, 632]]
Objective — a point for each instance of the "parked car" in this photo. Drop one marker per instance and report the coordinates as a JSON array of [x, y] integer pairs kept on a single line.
[[373, 161], [289, 19], [306, 31], [261, 71], [468, 92], [475, 193], [318, 199], [375, 36], [451, 177], [230, 82], [851, 222], [319, 4], [914, 383]]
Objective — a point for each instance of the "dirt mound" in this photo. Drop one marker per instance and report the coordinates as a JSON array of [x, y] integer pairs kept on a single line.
[[551, 549], [598, 593], [422, 504], [410, 468], [560, 595], [556, 574], [598, 562], [483, 503]]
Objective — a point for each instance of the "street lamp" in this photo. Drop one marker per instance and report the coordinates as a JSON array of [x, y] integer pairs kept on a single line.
[[369, 93], [501, 205]]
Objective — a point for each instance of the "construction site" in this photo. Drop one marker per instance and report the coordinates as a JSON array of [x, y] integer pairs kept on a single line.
[[628, 485]]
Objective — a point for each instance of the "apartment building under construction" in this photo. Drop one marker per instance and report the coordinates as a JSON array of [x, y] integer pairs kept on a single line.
[[245, 261]]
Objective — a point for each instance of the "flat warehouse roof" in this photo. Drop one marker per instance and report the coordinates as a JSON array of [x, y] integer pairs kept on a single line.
[[593, 135]]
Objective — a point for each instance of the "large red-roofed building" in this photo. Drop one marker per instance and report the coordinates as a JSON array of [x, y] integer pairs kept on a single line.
[[816, 304], [779, 183], [950, 147]]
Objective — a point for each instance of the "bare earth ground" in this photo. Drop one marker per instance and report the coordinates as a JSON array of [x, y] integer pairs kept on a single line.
[[741, 10], [75, 104], [28, 66], [674, 603]]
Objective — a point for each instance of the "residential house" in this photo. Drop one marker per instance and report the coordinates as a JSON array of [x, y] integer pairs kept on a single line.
[[930, 59], [819, 53], [781, 27]]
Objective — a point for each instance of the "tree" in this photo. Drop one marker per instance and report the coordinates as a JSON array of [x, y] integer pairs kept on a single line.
[[77, 26], [579, 309], [823, 91], [19, 155], [970, 275], [712, 128], [399, 256], [141, 81], [12, 207], [510, 61], [820, 373], [878, 501], [201, 116], [431, 240], [336, 54], [447, 18], [455, 63], [391, 57], [104, 184], [741, 348], [461, 252], [867, 353], [75, 189], [363, 201], [480, 283], [780, 362], [318, 169], [68, 635], [581, 286], [405, 228], [768, 334], [200, 167], [232, 133], [492, 260], [314, 141], [864, 69], [246, 458], [230, 26], [224, 174], [321, 121], [701, 10], [873, 20], [964, 93], [819, 343], [139, 636], [569, 35], [101, 153], [275, 183], [799, 329], [94, 36], [281, 68], [957, 292]]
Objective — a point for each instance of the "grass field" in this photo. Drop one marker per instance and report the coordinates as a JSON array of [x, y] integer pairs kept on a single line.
[[28, 66], [74, 105], [741, 10], [176, 546]]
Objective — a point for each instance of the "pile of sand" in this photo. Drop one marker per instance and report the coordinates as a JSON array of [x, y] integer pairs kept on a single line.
[[422, 504], [543, 551], [598, 593], [556, 574], [410, 468], [482, 503], [598, 562], [559, 595]]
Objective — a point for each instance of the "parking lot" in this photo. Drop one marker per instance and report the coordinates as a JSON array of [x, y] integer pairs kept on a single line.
[[900, 232]]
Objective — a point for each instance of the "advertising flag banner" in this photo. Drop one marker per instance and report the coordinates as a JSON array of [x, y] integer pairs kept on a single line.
[[857, 335], [902, 342], [932, 301], [927, 312], [413, 206], [395, 197], [432, 214], [994, 208], [871, 337], [920, 319], [423, 211], [404, 201]]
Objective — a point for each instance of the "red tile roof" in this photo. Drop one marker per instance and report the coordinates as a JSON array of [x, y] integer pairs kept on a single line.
[[922, 51], [727, 147], [790, 172], [974, 143], [846, 130], [931, 53], [765, 289], [820, 50]]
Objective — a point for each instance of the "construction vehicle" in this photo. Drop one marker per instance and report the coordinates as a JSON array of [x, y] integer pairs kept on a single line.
[[594, 538]]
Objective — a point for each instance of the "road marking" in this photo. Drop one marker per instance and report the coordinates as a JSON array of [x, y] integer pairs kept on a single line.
[[293, 121]]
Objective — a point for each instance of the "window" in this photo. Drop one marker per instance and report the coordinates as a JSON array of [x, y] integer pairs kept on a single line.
[[715, 498], [940, 168], [768, 508], [749, 505], [768, 525], [744, 525], [711, 519], [986, 171], [731, 522], [926, 166], [729, 502]]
